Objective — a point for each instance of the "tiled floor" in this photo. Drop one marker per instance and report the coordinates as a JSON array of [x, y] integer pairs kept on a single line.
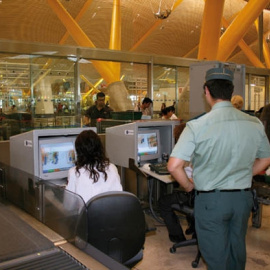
[[157, 255]]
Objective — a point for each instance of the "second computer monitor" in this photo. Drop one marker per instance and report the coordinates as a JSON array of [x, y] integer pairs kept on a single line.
[[149, 148]]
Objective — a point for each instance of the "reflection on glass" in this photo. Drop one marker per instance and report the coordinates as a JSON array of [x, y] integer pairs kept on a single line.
[[164, 88], [255, 93]]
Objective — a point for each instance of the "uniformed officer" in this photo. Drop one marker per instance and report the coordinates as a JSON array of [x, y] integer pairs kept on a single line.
[[226, 148]]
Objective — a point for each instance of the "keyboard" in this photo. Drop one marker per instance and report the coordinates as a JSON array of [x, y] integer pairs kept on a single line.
[[159, 168]]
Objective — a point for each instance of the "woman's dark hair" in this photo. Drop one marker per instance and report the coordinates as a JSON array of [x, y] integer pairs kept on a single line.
[[91, 154], [220, 89]]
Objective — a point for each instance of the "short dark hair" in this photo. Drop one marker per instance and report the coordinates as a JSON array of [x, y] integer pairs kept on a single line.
[[220, 89], [147, 100], [100, 95], [171, 109]]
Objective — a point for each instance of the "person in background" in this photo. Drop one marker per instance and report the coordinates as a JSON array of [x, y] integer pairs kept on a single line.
[[13, 108], [171, 113], [145, 107], [168, 113], [237, 102], [99, 110], [164, 114], [227, 148], [259, 112], [93, 173], [265, 118], [178, 131], [163, 106]]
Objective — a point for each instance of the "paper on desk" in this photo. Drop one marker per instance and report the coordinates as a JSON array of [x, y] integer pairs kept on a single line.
[[188, 171]]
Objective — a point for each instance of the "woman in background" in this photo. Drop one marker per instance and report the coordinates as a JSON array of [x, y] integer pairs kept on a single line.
[[93, 173], [237, 102]]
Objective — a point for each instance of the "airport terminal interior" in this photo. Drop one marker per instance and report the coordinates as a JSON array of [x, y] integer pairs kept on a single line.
[[55, 56]]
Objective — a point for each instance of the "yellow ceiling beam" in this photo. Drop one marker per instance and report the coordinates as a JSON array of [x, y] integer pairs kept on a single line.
[[87, 81], [252, 44], [252, 57], [239, 27], [266, 53], [115, 37], [94, 87], [81, 38], [78, 17], [193, 50], [210, 31], [154, 26]]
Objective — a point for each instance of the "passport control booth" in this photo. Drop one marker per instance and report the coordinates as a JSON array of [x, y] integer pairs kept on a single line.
[[34, 180], [40, 160], [136, 146]]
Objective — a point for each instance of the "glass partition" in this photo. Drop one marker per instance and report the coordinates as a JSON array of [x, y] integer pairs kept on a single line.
[[164, 86], [255, 92], [64, 212], [124, 91], [45, 86], [182, 104], [36, 92], [48, 201]]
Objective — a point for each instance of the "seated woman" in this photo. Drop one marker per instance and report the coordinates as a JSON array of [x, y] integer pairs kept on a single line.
[[93, 173], [168, 113]]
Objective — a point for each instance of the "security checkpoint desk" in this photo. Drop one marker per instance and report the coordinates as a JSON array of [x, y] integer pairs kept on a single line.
[[154, 181], [263, 192]]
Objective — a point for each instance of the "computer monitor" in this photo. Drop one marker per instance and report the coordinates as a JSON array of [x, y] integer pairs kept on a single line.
[[149, 145], [56, 157]]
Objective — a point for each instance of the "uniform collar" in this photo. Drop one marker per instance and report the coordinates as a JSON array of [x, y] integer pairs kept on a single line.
[[222, 104]]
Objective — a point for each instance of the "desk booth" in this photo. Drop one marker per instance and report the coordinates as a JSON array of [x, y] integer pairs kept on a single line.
[[133, 146], [36, 185], [60, 210], [39, 164]]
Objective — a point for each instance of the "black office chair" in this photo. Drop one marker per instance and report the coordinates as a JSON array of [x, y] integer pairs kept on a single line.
[[187, 211], [116, 226]]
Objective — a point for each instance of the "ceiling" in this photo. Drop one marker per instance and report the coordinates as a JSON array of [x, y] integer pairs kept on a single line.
[[178, 35]]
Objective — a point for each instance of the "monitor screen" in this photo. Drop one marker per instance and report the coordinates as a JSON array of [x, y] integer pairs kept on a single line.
[[148, 144], [57, 156]]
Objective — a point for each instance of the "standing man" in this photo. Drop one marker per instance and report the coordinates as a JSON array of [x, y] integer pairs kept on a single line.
[[226, 147], [99, 110]]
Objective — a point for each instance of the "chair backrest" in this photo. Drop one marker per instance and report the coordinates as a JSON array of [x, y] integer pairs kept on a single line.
[[116, 224]]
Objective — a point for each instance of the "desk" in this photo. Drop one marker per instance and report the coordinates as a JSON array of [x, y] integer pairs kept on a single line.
[[167, 178], [152, 178]]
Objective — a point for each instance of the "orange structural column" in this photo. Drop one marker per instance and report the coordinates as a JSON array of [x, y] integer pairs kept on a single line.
[[81, 38], [239, 27], [210, 32], [265, 47], [78, 17], [252, 57], [115, 38]]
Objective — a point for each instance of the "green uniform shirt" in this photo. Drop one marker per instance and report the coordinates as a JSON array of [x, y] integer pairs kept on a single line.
[[222, 146]]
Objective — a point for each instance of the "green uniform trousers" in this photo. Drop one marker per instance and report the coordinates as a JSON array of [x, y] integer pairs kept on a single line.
[[221, 220]]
